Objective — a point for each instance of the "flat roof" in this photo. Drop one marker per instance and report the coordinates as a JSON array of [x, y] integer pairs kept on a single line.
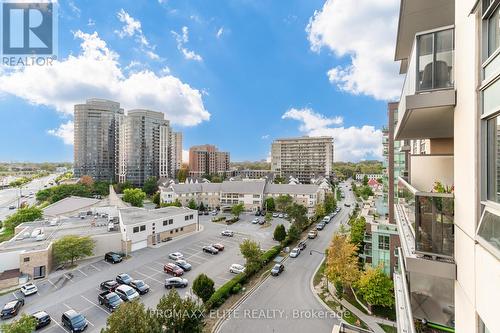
[[135, 215], [69, 205], [292, 188]]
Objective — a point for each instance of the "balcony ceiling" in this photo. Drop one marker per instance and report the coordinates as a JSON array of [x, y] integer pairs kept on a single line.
[[417, 16]]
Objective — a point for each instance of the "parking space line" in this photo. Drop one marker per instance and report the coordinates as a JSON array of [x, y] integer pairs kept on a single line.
[[52, 283], [14, 295], [95, 267], [57, 323], [155, 270], [100, 307], [66, 305], [196, 262], [106, 262], [149, 277], [82, 272], [68, 278]]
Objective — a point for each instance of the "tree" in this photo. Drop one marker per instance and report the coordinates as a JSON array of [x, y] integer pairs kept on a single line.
[[134, 196], [252, 253], [279, 180], [156, 199], [279, 233], [150, 186], [293, 233], [202, 207], [25, 324], [71, 248], [376, 287], [282, 202], [319, 211], [342, 261], [101, 188], [182, 174], [128, 317], [177, 315], [236, 210], [270, 207], [192, 204], [297, 214], [60, 192], [26, 214], [87, 180], [365, 180], [120, 187], [268, 217], [357, 231], [176, 203], [330, 203], [203, 287]]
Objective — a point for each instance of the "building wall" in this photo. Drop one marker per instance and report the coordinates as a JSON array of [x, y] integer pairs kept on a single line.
[[207, 160], [110, 242], [9, 260], [30, 259]]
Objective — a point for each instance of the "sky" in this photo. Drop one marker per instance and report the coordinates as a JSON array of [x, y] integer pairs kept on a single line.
[[234, 73]]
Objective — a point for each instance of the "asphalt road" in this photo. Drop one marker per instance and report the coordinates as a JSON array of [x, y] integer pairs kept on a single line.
[[78, 289], [286, 303]]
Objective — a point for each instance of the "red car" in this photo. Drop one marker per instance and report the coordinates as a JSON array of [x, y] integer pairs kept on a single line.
[[173, 269], [218, 246]]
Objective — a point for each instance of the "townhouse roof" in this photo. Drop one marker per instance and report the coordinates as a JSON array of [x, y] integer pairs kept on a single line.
[[292, 188]]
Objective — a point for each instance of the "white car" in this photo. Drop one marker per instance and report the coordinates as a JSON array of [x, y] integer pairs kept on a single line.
[[255, 221], [227, 233], [295, 252], [176, 256], [237, 269], [281, 215], [29, 289]]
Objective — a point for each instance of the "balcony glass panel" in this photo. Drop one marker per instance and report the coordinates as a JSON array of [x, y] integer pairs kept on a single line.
[[493, 159], [489, 229], [435, 60]]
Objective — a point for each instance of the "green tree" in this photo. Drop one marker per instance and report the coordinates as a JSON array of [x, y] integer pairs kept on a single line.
[[365, 180], [134, 196], [177, 315], [129, 317], [282, 202], [101, 188], [71, 247], [330, 203], [156, 199], [297, 214], [25, 324], [342, 261], [268, 217], [182, 174], [26, 214], [203, 287], [293, 233], [279, 180], [150, 186], [376, 287], [236, 210], [279, 233], [60, 192], [252, 253], [202, 207], [120, 187], [192, 204], [216, 179], [319, 211], [270, 206], [176, 203], [357, 231]]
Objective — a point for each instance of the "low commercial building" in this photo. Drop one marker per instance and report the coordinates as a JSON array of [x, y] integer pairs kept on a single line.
[[375, 176], [141, 227]]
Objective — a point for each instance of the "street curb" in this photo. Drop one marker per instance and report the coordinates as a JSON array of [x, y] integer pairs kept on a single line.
[[311, 286]]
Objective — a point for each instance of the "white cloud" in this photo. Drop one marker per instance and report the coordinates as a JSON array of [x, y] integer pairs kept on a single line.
[[220, 32], [96, 72], [366, 34], [265, 137], [64, 132], [185, 156], [132, 28], [350, 143], [74, 8], [181, 40], [91, 22]]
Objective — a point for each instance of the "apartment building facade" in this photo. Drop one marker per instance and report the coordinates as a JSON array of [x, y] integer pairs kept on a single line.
[[207, 160], [303, 158], [96, 133], [447, 208]]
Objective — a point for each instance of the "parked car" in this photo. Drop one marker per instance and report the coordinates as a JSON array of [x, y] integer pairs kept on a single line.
[[320, 226], [12, 308], [176, 282], [218, 246], [214, 212], [312, 234], [176, 256], [126, 293], [263, 213], [113, 257], [275, 214], [42, 319], [277, 269], [183, 264], [257, 213], [139, 285], [74, 321], [295, 252], [109, 285], [173, 269], [262, 221], [123, 278], [227, 233], [255, 221], [12, 207], [29, 289], [205, 212], [110, 300], [347, 205], [326, 219], [237, 268], [302, 245], [281, 215], [285, 215], [210, 249]]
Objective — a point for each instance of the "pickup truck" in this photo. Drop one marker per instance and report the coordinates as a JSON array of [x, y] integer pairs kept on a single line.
[[110, 300]]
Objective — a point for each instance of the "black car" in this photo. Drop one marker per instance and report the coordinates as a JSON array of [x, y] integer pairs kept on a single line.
[[302, 245], [74, 321], [42, 319], [277, 269], [176, 282], [109, 285], [110, 300], [257, 213], [12, 308], [263, 213], [113, 257], [205, 212], [123, 278], [210, 249], [139, 285]]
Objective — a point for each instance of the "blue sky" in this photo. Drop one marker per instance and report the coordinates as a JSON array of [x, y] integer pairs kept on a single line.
[[234, 73]]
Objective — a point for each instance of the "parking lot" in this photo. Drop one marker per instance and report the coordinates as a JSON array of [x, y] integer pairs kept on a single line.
[[77, 289]]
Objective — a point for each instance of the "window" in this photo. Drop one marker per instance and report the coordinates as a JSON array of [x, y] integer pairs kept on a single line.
[[256, 196], [494, 31], [136, 229], [186, 218], [191, 217], [165, 222], [171, 231], [182, 229], [176, 230], [143, 227], [26, 259], [489, 230], [493, 160], [383, 242], [171, 221], [435, 60]]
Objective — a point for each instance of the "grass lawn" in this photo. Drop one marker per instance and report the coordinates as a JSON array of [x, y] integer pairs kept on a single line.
[[388, 329], [319, 274]]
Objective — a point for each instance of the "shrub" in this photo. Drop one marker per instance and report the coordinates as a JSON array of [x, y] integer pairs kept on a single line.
[[218, 218], [236, 289], [270, 254], [219, 297]]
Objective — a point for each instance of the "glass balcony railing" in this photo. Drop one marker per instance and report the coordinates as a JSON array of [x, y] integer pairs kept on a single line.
[[367, 251], [431, 216], [367, 238]]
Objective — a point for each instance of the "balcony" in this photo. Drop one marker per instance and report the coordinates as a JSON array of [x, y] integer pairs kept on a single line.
[[441, 166], [428, 97], [367, 238]]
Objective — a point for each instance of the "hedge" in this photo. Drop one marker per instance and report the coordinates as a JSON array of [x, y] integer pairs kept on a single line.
[[232, 286], [232, 220], [218, 218], [270, 254]]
